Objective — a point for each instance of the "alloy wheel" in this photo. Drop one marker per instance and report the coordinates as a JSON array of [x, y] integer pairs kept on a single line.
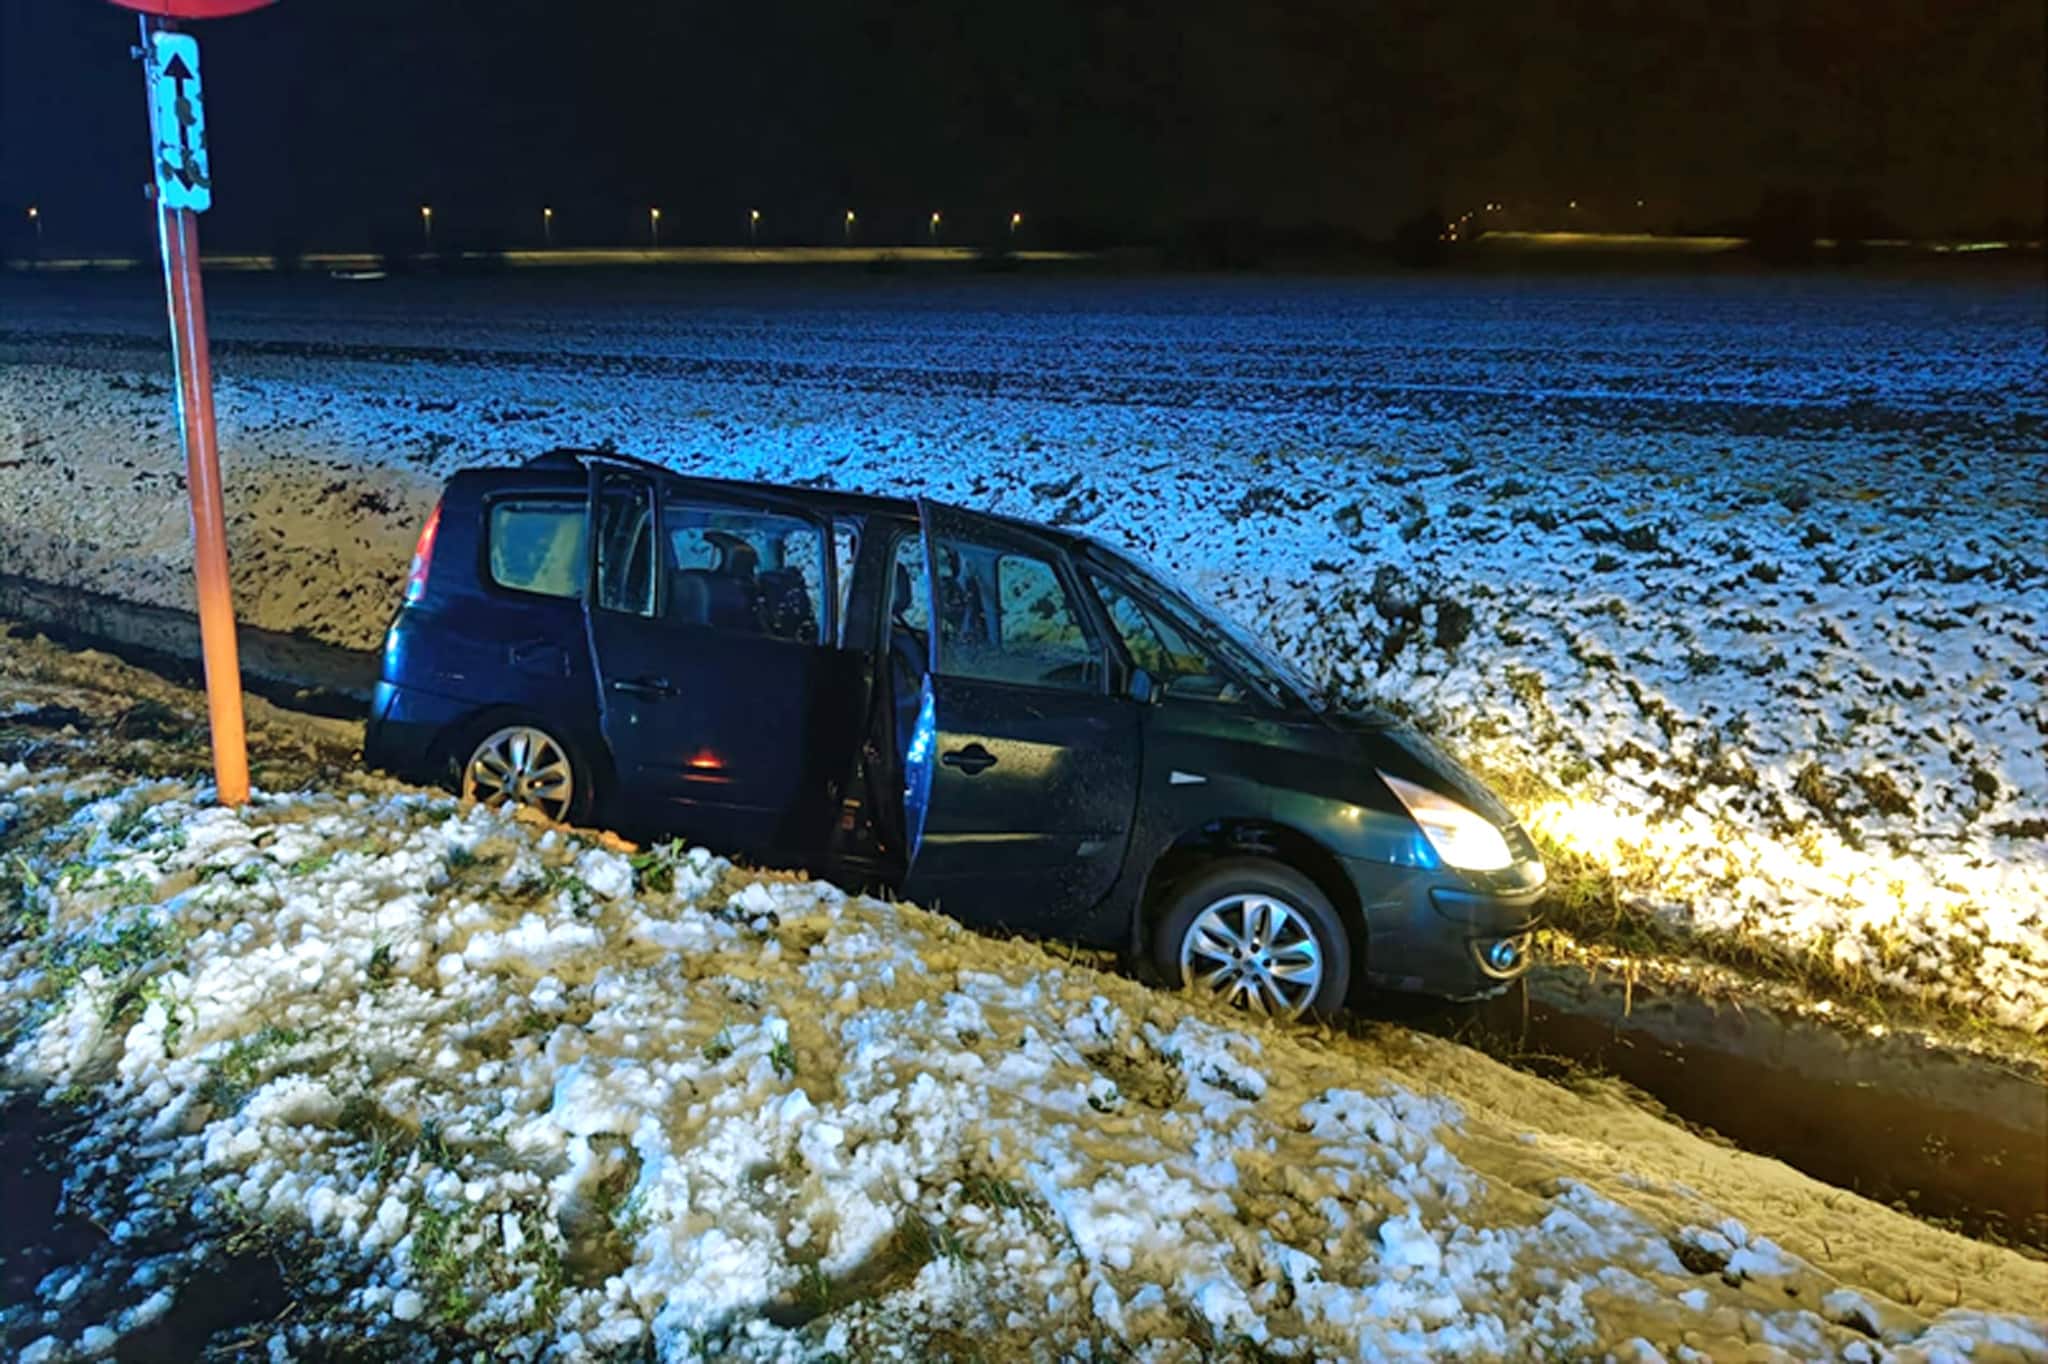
[[523, 766], [1255, 952]]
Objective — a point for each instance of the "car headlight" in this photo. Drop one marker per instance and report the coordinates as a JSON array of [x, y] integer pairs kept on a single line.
[[1463, 839]]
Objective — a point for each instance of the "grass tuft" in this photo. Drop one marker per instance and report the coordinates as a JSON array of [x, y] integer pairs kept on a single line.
[[236, 1075], [127, 821], [987, 1191], [313, 864], [441, 1261], [719, 1047], [654, 871]]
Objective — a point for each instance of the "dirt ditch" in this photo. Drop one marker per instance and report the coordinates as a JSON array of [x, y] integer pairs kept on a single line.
[[1951, 1137]]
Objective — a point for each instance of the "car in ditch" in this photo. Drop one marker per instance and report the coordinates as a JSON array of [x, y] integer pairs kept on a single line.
[[1020, 726]]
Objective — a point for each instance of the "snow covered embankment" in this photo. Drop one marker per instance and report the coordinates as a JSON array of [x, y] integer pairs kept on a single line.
[[1765, 714], [505, 1083], [1775, 696]]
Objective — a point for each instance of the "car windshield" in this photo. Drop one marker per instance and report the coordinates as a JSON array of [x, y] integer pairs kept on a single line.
[[1215, 629]]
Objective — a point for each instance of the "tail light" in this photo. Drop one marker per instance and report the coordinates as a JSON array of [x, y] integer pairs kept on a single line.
[[422, 558]]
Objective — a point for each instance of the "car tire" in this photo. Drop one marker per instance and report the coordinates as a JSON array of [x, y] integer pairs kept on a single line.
[[1257, 934], [489, 751]]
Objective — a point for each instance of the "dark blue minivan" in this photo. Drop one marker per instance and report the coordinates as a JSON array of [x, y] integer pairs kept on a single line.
[[1022, 727]]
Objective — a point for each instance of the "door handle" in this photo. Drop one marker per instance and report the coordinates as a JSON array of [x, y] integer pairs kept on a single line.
[[644, 686], [971, 759]]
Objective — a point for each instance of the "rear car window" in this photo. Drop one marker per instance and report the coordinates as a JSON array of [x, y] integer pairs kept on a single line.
[[537, 545], [744, 572]]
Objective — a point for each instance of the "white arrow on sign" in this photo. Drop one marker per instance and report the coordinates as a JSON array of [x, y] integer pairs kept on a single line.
[[177, 122]]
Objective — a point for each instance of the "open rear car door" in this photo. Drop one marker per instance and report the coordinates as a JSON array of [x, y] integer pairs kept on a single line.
[[728, 711]]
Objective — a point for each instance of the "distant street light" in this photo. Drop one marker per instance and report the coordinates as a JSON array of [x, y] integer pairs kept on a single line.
[[427, 224], [1016, 221], [935, 228], [753, 227], [547, 226], [849, 227], [654, 226], [35, 215], [1573, 204]]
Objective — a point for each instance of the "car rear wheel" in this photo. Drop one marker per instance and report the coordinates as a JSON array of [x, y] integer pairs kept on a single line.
[[1257, 935], [521, 763]]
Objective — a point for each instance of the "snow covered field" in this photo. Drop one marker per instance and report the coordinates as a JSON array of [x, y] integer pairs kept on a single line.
[[493, 1083], [1735, 582]]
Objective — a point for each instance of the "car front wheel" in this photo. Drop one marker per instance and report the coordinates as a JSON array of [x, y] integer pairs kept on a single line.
[[1256, 935]]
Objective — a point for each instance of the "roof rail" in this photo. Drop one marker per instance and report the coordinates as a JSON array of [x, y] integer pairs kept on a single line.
[[569, 454]]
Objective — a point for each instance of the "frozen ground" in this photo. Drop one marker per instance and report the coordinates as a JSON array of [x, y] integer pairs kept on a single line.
[[1735, 582], [487, 1083]]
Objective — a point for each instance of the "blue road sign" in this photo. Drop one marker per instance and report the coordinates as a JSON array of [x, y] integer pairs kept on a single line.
[[177, 122]]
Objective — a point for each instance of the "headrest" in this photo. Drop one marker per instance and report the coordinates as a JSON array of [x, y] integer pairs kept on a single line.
[[736, 558]]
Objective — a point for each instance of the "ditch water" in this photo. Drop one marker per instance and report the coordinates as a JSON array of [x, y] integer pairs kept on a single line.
[[1947, 1136], [41, 1236]]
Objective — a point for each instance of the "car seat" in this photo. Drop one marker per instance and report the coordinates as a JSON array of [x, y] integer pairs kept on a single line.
[[734, 601], [689, 596], [961, 605], [786, 606]]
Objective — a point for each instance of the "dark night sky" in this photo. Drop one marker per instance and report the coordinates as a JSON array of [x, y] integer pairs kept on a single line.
[[332, 122]]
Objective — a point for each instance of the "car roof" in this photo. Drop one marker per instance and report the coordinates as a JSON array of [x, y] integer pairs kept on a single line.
[[569, 458]]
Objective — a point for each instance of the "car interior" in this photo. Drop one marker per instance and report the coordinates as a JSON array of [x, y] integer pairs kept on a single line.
[[735, 592]]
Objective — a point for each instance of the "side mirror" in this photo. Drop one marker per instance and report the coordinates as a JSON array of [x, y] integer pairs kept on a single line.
[[1144, 688]]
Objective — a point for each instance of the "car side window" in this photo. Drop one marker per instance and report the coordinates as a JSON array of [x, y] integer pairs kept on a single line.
[[743, 572], [537, 545], [625, 544], [1005, 616], [1182, 667], [910, 605]]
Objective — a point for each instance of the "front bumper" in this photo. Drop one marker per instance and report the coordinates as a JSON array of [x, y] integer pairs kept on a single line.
[[1439, 932]]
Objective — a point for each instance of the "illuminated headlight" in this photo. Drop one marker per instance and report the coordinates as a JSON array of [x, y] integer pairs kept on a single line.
[[1464, 840]]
